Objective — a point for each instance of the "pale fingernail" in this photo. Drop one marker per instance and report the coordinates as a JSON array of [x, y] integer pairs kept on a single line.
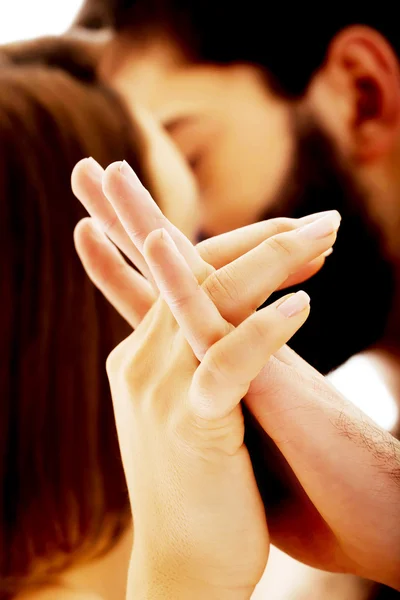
[[94, 169], [163, 235], [327, 253], [167, 238], [321, 227], [126, 171], [294, 305], [313, 217]]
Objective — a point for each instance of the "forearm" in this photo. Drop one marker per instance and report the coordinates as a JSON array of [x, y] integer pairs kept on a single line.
[[155, 584], [174, 590]]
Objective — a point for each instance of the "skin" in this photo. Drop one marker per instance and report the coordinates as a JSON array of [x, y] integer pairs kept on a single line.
[[335, 105], [210, 456], [212, 113], [369, 142], [238, 138], [322, 436]]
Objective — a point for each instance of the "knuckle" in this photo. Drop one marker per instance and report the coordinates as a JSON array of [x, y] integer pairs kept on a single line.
[[108, 224], [136, 234], [281, 246], [133, 376], [205, 250], [203, 271], [181, 300], [113, 362], [218, 366], [222, 283], [122, 363], [256, 331], [279, 225]]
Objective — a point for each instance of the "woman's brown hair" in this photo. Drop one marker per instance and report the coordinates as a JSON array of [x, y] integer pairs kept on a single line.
[[61, 480]]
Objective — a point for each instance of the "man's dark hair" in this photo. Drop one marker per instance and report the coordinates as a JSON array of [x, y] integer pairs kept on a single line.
[[291, 42]]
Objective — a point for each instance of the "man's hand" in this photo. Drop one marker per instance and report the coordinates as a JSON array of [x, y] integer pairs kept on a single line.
[[347, 465]]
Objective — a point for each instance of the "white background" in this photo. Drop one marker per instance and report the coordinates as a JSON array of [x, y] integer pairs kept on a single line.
[[21, 19]]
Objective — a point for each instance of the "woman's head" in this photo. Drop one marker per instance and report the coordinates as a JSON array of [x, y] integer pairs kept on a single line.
[[62, 488]]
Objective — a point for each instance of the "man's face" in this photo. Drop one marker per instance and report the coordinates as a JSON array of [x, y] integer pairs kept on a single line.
[[256, 155], [233, 132]]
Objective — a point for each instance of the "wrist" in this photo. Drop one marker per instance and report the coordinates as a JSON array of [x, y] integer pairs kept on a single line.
[[179, 591], [153, 583]]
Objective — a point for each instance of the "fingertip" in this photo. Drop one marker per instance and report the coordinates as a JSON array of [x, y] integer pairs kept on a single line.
[[111, 179], [86, 169], [81, 235], [86, 231], [114, 167], [78, 172], [327, 253], [82, 227], [294, 304], [116, 177], [304, 273], [158, 240], [155, 236]]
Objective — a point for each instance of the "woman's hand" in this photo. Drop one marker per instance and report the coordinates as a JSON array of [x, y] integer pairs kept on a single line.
[[323, 437], [198, 515], [199, 522], [175, 191]]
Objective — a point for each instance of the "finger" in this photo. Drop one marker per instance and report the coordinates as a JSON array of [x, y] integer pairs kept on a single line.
[[203, 320], [218, 251], [305, 272], [128, 291], [197, 316], [227, 247], [240, 287], [231, 364], [222, 249], [86, 181], [140, 215]]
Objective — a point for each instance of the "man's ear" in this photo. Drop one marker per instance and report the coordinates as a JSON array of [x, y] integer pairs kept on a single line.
[[363, 71]]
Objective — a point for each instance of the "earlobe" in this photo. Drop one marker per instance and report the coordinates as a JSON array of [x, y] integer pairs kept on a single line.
[[372, 72]]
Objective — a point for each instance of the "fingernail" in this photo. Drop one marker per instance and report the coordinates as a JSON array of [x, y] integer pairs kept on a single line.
[[313, 217], [294, 305], [327, 253], [126, 171], [321, 227], [162, 234], [165, 236], [95, 170]]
